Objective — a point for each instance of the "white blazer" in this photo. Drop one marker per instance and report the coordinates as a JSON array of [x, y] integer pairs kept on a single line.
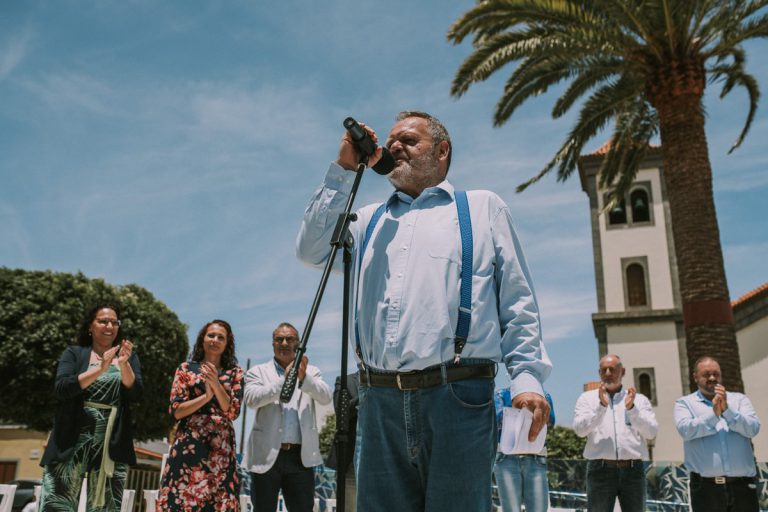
[[262, 392]]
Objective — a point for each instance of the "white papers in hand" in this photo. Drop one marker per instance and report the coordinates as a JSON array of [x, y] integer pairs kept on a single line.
[[514, 432]]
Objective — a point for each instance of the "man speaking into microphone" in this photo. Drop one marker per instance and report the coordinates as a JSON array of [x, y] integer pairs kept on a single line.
[[443, 296]]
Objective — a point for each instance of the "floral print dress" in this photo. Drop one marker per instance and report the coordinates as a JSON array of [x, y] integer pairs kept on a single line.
[[201, 472]]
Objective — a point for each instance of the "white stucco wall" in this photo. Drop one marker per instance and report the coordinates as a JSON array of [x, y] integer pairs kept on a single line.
[[654, 345], [753, 351], [630, 241]]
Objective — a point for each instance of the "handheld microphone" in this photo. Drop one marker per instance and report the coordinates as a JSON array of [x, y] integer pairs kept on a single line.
[[365, 145]]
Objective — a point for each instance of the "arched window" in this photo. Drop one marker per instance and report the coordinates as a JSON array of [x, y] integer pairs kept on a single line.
[[645, 380], [644, 384], [618, 214], [636, 293], [638, 199]]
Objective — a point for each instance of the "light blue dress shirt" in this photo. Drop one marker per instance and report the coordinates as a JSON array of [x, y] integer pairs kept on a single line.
[[291, 425], [408, 284], [717, 446]]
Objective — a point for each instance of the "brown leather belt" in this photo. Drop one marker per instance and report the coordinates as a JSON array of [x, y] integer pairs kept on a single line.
[[417, 379], [289, 446], [627, 463]]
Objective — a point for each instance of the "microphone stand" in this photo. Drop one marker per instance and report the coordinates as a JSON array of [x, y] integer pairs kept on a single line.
[[341, 239]]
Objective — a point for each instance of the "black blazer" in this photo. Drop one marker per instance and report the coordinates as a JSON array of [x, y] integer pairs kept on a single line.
[[70, 416]]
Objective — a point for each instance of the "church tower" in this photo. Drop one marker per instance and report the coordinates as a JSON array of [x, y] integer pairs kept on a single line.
[[639, 314]]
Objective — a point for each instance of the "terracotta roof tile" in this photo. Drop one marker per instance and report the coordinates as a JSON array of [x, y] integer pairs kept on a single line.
[[744, 298], [603, 150]]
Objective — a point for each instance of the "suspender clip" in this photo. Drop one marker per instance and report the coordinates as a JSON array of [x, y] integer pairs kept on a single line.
[[458, 346]]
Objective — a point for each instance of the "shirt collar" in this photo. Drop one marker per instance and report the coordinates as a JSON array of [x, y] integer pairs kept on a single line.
[[280, 370], [444, 187], [702, 398]]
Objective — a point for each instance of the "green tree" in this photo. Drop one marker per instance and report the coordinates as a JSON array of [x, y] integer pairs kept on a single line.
[[640, 66], [563, 443], [327, 434], [39, 315]]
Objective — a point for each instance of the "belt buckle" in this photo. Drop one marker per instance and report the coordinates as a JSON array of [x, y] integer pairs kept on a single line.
[[400, 383], [720, 480]]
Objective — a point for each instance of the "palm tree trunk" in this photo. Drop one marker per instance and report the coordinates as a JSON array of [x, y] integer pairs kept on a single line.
[[707, 313]]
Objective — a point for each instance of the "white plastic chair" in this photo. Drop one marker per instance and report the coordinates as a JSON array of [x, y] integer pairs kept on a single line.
[[129, 495], [7, 492], [150, 497], [245, 503], [330, 505], [83, 505]]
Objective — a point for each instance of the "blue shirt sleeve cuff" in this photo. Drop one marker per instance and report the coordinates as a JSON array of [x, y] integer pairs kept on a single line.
[[524, 382], [729, 415], [338, 178]]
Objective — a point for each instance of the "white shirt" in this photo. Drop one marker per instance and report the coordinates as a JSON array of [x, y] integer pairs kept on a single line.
[[408, 285], [614, 432]]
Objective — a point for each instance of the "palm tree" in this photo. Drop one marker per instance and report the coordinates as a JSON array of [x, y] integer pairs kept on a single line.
[[640, 66]]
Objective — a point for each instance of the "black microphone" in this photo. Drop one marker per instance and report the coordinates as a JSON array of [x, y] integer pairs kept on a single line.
[[365, 145]]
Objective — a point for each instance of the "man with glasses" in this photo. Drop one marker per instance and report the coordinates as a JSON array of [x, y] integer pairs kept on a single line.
[[284, 445], [717, 427]]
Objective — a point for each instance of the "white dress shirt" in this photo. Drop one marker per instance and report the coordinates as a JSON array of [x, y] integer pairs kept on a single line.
[[614, 432], [408, 284]]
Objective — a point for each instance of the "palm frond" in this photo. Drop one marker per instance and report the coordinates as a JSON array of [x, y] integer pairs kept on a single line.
[[597, 111], [599, 71]]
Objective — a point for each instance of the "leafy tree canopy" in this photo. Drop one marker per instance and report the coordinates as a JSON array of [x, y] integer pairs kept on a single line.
[[327, 434], [563, 443], [39, 315]]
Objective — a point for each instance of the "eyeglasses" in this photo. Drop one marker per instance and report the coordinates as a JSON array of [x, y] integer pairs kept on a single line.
[[287, 339], [105, 323]]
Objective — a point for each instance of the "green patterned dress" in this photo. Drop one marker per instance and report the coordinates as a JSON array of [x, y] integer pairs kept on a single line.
[[62, 482]]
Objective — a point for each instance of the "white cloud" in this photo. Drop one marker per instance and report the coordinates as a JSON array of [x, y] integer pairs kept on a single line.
[[72, 90], [14, 53], [565, 312]]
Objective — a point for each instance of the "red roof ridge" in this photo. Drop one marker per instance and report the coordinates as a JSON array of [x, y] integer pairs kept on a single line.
[[744, 298], [606, 147]]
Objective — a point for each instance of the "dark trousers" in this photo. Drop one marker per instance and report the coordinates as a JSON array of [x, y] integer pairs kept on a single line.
[[736, 495], [606, 482], [289, 474]]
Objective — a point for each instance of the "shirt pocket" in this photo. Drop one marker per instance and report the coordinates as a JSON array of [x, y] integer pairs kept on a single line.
[[445, 244]]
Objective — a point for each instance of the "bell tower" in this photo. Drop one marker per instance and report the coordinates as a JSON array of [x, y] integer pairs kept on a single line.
[[638, 315]]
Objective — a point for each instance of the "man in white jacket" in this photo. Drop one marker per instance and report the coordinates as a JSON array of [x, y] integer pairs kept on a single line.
[[284, 446], [617, 424]]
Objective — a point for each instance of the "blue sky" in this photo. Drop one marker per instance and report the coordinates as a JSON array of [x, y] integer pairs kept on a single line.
[[175, 145]]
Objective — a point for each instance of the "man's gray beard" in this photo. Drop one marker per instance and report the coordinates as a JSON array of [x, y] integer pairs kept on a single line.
[[406, 173]]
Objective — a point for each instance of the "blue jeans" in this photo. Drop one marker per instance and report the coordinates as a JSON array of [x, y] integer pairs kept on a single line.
[[607, 482], [522, 479], [427, 450]]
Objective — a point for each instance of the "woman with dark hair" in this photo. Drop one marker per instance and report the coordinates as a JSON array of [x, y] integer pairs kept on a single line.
[[201, 472], [92, 430]]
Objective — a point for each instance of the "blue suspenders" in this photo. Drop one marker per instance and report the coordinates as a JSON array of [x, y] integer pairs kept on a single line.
[[465, 291]]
